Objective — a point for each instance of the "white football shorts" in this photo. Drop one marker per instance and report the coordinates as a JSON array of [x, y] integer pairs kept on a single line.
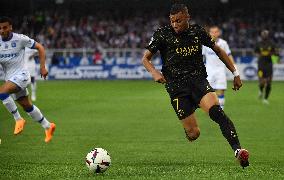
[[22, 79], [217, 79]]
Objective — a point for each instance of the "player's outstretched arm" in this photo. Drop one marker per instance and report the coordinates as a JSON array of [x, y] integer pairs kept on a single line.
[[230, 65], [146, 61], [41, 54]]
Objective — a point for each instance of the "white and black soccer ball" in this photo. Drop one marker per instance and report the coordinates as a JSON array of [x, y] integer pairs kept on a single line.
[[98, 160]]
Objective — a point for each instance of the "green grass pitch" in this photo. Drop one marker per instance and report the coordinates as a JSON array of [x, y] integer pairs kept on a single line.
[[135, 122]]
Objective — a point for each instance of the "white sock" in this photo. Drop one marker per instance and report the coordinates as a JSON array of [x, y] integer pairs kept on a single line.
[[33, 88], [221, 101], [37, 116], [9, 103]]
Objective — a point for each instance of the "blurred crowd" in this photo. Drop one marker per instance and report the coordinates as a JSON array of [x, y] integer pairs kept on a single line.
[[109, 30]]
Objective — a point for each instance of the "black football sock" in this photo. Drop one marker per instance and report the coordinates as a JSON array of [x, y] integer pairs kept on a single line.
[[226, 125], [267, 91]]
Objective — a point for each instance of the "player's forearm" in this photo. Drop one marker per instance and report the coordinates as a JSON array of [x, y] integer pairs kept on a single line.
[[232, 60], [148, 65], [41, 54], [146, 61]]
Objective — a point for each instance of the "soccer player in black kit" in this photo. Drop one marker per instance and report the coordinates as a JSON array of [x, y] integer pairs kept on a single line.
[[265, 49], [184, 76]]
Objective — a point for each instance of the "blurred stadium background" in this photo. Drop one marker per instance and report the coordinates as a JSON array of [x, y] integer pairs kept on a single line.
[[130, 117], [106, 38]]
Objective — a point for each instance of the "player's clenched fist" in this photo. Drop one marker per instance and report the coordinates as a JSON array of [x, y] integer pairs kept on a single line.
[[237, 83], [43, 72]]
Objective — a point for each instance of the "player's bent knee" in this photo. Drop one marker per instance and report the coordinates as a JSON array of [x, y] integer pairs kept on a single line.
[[192, 134]]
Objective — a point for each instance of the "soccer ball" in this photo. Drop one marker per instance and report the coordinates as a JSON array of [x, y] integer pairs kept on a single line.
[[98, 160]]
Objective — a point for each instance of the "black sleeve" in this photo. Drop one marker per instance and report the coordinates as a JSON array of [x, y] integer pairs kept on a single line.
[[155, 43], [206, 39]]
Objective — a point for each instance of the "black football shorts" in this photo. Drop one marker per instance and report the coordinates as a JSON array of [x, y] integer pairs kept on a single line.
[[265, 70], [185, 100]]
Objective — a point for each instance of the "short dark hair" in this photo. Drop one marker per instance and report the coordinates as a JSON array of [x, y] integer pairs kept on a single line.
[[4, 19], [176, 8]]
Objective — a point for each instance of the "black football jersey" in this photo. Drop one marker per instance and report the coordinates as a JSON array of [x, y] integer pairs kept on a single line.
[[265, 49], [181, 53]]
